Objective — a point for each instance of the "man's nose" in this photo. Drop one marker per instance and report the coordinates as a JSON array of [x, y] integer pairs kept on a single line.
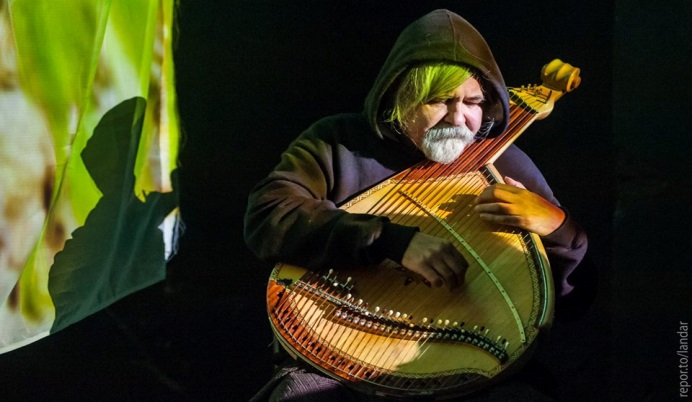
[[455, 114]]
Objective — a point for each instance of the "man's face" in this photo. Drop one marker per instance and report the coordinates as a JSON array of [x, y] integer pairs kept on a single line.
[[443, 127]]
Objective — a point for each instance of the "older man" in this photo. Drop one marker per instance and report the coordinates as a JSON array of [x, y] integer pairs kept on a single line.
[[439, 90]]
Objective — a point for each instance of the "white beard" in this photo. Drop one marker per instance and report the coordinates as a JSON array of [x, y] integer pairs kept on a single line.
[[444, 144]]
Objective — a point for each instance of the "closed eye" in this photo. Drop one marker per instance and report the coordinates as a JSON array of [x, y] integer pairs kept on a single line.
[[474, 100]]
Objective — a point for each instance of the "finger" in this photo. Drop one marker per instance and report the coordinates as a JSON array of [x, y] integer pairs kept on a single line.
[[514, 183], [495, 208], [458, 266], [512, 220], [437, 273], [451, 266], [489, 194], [449, 279], [436, 270], [436, 280], [431, 276], [497, 192]]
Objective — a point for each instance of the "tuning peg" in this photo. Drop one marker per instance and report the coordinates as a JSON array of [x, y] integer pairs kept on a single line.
[[560, 75]]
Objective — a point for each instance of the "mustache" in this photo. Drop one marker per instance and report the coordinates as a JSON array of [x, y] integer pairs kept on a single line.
[[448, 131]]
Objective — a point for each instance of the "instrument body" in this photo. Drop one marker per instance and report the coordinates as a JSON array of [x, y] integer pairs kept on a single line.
[[381, 329]]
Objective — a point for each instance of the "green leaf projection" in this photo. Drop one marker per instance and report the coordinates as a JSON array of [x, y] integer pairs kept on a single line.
[[120, 232], [89, 138]]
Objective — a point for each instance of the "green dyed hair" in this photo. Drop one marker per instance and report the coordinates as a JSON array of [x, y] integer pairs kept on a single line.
[[422, 84]]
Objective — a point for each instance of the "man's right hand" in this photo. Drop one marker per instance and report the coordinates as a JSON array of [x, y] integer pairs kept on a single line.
[[436, 260]]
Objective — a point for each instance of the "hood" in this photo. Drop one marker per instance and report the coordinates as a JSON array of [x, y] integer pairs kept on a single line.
[[441, 36]]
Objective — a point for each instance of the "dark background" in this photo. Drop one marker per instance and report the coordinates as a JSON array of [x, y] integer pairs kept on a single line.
[[252, 74]]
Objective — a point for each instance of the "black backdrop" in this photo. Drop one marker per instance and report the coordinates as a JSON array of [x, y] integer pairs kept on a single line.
[[277, 67], [252, 74]]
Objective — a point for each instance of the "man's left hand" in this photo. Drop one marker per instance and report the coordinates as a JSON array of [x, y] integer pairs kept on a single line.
[[512, 204]]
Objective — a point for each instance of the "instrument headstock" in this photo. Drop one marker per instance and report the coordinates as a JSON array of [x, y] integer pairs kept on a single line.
[[560, 76], [557, 78]]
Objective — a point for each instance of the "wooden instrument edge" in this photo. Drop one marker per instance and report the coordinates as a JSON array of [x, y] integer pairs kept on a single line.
[[545, 321]]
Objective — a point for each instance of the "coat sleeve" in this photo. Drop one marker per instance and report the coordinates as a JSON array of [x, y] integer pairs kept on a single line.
[[567, 245], [291, 217]]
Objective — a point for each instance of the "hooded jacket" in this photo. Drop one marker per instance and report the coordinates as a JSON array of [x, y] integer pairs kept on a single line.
[[441, 36], [293, 216]]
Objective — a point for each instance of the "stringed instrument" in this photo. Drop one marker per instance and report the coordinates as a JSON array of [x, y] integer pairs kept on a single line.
[[381, 329]]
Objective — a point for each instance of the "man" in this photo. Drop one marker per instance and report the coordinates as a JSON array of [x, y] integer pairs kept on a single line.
[[439, 90]]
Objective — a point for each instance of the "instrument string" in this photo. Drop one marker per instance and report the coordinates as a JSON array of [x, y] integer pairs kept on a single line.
[[308, 331], [401, 324], [352, 330], [295, 325], [330, 287], [321, 337], [382, 321]]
